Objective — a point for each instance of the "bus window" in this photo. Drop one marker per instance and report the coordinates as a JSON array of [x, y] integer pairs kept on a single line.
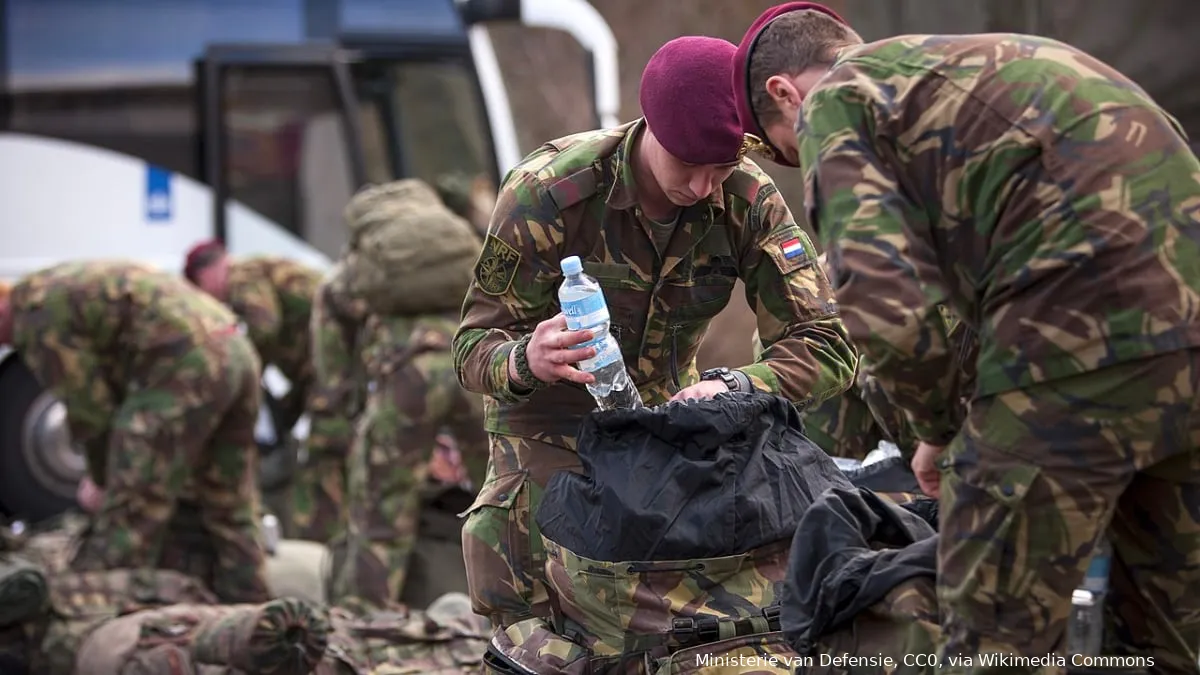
[[431, 115], [155, 124], [286, 150]]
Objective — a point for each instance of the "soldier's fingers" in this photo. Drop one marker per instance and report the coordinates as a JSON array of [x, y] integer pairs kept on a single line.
[[558, 322], [573, 374], [572, 338], [568, 356]]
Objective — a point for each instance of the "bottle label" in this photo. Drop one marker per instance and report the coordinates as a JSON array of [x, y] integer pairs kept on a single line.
[[585, 312], [608, 352], [1096, 578]]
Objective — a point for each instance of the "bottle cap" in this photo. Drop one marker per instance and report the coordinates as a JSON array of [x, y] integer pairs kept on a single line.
[[571, 265]]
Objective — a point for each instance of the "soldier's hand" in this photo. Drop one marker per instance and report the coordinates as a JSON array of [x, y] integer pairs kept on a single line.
[[89, 495], [924, 466], [701, 390], [551, 352]]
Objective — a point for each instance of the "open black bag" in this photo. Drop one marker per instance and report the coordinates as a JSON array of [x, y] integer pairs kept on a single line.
[[687, 480]]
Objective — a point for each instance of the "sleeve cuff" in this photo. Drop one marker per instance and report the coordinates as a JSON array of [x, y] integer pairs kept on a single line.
[[933, 429], [761, 377], [506, 390]]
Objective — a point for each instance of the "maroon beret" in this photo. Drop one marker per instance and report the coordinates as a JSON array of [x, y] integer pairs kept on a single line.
[[200, 256], [687, 103], [741, 68]]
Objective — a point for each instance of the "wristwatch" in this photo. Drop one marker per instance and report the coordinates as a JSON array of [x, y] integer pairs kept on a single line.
[[734, 380]]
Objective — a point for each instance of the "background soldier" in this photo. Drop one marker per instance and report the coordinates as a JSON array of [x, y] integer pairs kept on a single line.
[[667, 214], [392, 333], [273, 296], [162, 392], [1052, 204]]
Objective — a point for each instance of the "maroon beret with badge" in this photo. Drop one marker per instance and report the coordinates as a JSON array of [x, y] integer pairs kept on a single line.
[[741, 69], [687, 103]]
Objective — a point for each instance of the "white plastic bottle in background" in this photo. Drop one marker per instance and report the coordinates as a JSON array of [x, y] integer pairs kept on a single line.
[[583, 304], [1085, 627]]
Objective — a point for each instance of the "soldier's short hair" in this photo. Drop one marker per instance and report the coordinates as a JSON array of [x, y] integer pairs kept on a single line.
[[790, 45]]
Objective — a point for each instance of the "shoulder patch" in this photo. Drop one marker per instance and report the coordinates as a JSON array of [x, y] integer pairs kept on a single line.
[[756, 209], [497, 266], [790, 249], [573, 189]]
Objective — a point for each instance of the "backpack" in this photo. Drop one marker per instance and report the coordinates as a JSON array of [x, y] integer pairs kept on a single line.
[[407, 252]]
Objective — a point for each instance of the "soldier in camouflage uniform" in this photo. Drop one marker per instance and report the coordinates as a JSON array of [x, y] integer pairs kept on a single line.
[[667, 214], [394, 375], [1053, 205], [162, 393], [273, 298]]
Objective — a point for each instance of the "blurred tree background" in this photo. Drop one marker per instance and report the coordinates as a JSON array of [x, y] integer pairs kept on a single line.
[[546, 71]]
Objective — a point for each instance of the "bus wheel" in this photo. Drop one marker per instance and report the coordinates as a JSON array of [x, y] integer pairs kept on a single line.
[[39, 468]]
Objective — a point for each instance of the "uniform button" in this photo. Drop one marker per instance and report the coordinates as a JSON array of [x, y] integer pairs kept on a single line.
[[1008, 490], [502, 496]]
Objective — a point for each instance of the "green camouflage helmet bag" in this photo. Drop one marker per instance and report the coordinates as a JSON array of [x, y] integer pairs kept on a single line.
[[408, 253]]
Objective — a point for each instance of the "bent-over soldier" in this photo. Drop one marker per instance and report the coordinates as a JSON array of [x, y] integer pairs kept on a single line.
[[162, 392]]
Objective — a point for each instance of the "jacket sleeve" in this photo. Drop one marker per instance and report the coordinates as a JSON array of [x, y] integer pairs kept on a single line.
[[806, 356], [886, 286], [512, 289], [336, 387]]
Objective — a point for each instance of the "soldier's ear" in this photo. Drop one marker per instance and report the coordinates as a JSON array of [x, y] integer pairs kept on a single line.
[[784, 93]]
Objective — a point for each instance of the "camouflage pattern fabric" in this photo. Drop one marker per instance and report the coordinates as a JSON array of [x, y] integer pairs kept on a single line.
[[853, 424], [318, 489], [412, 393], [403, 370], [891, 421], [273, 296], [577, 196], [843, 426], [533, 645], [620, 609], [502, 544], [396, 641], [81, 602], [164, 393], [281, 637], [1050, 203]]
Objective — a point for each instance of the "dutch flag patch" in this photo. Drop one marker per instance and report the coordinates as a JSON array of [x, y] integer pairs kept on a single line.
[[792, 248]]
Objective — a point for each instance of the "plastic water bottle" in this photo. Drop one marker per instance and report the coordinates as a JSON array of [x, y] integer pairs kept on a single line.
[[1085, 629], [583, 304]]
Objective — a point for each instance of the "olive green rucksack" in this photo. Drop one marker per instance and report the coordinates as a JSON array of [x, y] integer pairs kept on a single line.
[[407, 253]]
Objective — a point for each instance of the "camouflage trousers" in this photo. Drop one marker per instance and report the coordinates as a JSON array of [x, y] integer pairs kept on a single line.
[[185, 431], [318, 495], [1034, 479], [502, 546], [385, 474]]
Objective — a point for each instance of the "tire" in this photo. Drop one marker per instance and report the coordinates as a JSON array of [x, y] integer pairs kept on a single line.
[[30, 489]]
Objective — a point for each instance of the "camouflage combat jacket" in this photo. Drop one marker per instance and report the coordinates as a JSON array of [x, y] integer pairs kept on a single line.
[[88, 329], [577, 196], [1040, 194]]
